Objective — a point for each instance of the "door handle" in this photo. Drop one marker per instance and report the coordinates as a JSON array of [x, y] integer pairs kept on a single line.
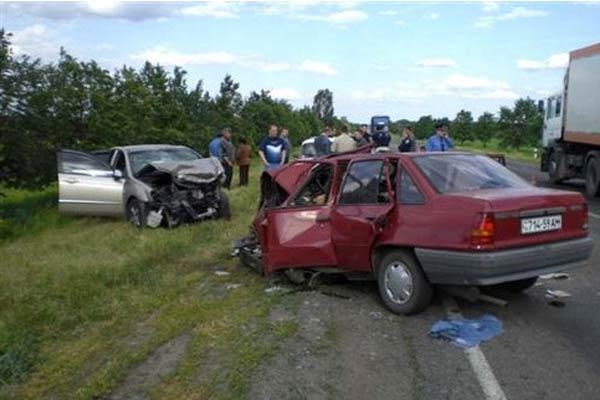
[[71, 180]]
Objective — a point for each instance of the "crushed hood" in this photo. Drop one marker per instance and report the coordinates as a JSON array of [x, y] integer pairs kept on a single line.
[[204, 170]]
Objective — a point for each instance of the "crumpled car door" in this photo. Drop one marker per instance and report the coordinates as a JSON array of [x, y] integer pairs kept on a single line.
[[360, 214], [87, 186]]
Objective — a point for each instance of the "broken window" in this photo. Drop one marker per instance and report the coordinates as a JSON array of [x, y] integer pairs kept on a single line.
[[316, 191], [365, 183]]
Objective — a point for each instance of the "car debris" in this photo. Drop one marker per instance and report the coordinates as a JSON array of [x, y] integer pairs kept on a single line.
[[467, 333], [555, 275], [556, 293], [233, 286], [221, 273]]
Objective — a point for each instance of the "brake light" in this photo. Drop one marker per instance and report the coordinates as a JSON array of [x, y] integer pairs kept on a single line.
[[483, 233]]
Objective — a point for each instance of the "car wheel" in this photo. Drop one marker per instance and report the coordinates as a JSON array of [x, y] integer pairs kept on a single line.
[[136, 213], [402, 285], [555, 167], [224, 209], [592, 177], [518, 286]]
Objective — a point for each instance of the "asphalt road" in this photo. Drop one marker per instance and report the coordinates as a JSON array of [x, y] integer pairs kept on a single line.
[[543, 352]]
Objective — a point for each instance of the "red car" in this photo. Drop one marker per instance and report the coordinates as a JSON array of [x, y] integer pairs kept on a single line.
[[413, 220]]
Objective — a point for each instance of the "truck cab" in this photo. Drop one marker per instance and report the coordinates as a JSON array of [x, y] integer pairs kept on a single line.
[[553, 121]]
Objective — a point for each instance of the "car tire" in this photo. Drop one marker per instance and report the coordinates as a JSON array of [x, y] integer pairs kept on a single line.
[[402, 284], [224, 209], [136, 213], [518, 286], [592, 177], [555, 167]]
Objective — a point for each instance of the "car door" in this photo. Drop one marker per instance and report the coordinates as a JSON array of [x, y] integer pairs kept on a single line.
[[299, 232], [363, 203], [87, 186]]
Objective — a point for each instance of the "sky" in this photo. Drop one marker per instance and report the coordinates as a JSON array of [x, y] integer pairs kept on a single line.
[[379, 58]]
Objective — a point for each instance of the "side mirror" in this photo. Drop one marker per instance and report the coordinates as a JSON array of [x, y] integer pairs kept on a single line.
[[117, 174]]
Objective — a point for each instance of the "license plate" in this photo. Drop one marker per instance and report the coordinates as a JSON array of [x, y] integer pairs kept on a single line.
[[541, 224]]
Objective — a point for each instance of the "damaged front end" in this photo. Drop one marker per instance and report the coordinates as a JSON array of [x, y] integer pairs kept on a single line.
[[184, 192]]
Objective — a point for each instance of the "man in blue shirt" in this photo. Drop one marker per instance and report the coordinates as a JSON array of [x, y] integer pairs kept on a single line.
[[272, 149], [214, 147], [439, 141], [322, 142]]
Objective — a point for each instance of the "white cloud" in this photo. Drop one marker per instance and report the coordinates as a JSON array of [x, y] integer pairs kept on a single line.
[[555, 61], [433, 16], [460, 81], [36, 41], [497, 94], [514, 14], [212, 9], [286, 93], [437, 63], [490, 6], [317, 68], [164, 56], [347, 16]]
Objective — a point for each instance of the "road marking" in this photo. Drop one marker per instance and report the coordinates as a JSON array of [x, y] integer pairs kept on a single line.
[[591, 214], [489, 384]]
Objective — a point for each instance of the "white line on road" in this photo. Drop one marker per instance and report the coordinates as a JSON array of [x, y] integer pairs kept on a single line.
[[591, 214], [489, 384]]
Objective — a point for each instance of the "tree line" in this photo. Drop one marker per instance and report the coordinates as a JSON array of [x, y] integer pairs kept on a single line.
[[514, 127], [81, 105], [78, 104]]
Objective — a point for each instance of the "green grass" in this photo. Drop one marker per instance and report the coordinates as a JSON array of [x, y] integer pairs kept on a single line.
[[524, 154], [83, 301]]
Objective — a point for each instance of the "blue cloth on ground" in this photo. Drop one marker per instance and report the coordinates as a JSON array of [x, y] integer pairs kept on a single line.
[[467, 333]]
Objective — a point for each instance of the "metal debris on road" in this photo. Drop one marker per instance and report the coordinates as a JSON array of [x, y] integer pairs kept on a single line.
[[221, 273], [467, 333], [557, 293], [232, 286], [555, 275]]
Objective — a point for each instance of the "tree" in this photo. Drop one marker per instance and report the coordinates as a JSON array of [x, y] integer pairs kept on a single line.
[[323, 106], [461, 129], [424, 127], [520, 125], [485, 128]]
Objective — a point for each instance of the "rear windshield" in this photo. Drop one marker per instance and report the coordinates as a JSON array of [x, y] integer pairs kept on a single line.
[[139, 159], [466, 172]]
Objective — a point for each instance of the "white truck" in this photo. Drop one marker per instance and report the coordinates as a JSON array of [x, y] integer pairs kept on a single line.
[[571, 136]]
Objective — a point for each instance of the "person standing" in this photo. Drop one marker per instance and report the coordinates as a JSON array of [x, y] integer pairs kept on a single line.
[[272, 149], [214, 147], [288, 145], [343, 142], [408, 142], [227, 156], [242, 159], [323, 143], [364, 131], [439, 141]]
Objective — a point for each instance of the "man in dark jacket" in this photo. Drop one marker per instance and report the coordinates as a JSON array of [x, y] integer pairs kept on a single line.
[[227, 156], [323, 143]]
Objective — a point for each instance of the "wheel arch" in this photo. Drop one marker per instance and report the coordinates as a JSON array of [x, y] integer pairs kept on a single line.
[[380, 251]]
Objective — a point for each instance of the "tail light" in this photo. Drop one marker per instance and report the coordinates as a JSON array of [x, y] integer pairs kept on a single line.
[[482, 235]]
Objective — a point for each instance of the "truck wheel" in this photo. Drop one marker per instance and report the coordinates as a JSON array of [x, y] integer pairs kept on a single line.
[[555, 167], [518, 286], [136, 213], [402, 284], [592, 177]]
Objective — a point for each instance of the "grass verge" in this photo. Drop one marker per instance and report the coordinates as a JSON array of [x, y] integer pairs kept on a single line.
[[84, 301], [525, 154]]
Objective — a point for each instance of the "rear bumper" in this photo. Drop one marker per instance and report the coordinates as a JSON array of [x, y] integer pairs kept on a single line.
[[464, 268]]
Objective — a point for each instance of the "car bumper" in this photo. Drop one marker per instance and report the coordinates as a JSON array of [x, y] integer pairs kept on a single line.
[[490, 268]]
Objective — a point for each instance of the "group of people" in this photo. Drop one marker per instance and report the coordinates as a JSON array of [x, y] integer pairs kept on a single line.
[[439, 141], [274, 151]]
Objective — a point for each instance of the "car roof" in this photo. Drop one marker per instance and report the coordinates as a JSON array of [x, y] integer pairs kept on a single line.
[[141, 147], [392, 154]]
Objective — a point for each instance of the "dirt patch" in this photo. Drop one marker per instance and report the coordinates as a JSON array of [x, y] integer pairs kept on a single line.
[[162, 362]]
